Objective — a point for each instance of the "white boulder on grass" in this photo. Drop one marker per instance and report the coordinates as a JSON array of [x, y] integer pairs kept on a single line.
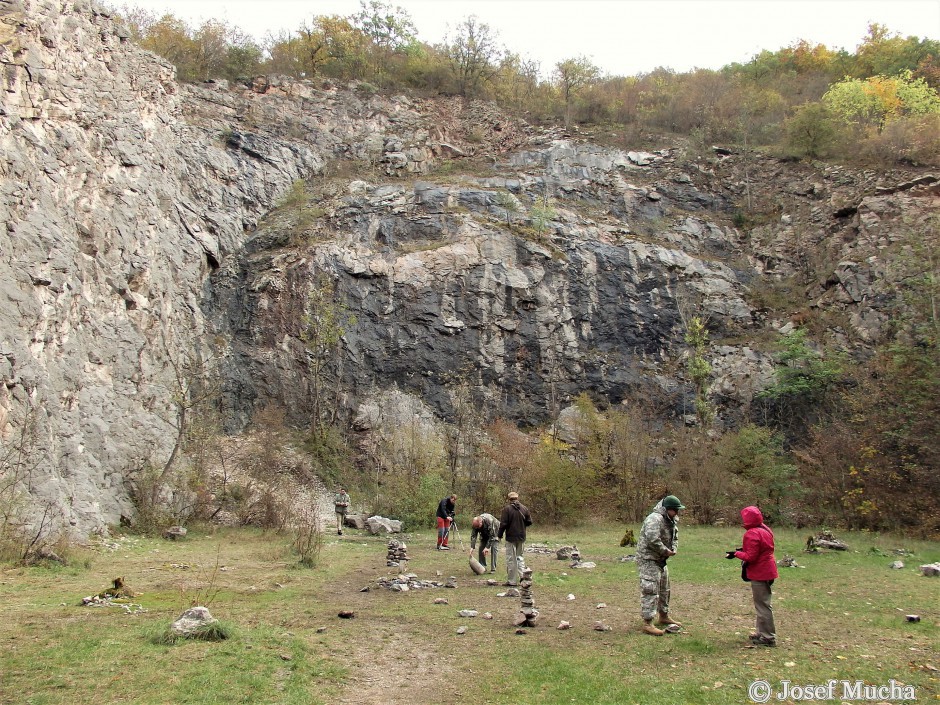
[[931, 570], [381, 525], [192, 620]]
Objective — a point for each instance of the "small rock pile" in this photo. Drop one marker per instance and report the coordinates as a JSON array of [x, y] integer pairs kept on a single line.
[[540, 548], [397, 554], [824, 540], [528, 615], [404, 583]]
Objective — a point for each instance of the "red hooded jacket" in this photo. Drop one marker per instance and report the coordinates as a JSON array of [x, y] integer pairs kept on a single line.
[[758, 546]]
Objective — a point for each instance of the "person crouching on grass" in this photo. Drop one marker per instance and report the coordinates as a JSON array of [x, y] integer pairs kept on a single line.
[[760, 569]]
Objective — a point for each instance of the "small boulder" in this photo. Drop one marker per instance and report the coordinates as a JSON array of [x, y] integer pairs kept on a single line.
[[192, 620], [173, 533]]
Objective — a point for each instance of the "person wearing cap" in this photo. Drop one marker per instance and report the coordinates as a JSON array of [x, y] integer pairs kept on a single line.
[[340, 505], [760, 569], [512, 523], [485, 526], [659, 541]]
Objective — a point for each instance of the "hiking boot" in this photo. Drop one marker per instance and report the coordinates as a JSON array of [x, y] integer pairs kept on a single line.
[[443, 548], [648, 628], [665, 621], [763, 641]]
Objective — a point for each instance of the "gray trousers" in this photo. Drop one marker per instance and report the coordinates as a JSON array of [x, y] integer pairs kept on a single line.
[[514, 558], [762, 593], [493, 545], [654, 588]]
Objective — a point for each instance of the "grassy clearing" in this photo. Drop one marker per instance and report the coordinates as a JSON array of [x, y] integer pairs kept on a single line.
[[839, 616]]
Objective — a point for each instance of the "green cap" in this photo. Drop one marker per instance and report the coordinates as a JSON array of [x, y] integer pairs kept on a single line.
[[672, 502]]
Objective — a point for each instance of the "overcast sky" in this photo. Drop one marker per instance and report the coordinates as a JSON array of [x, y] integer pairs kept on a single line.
[[623, 37]]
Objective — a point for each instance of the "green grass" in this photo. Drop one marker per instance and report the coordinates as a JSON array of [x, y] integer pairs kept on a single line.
[[840, 615]]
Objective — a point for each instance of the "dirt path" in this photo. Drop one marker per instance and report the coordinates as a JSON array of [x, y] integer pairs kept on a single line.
[[389, 659]]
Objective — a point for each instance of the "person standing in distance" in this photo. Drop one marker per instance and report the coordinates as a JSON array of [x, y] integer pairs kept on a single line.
[[446, 510], [659, 541], [512, 523], [341, 505]]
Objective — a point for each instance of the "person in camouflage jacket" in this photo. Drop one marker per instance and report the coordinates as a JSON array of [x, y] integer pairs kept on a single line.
[[659, 541]]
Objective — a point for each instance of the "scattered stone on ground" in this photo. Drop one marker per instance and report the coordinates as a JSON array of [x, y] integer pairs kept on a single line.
[[601, 627], [931, 570], [601, 605], [912, 617], [321, 630], [346, 614], [520, 631], [571, 596], [672, 628], [192, 620], [491, 581], [564, 625], [487, 615], [468, 613], [451, 582], [583, 564], [788, 562], [441, 601], [541, 548], [898, 565], [567, 553], [628, 559], [461, 630], [404, 583], [123, 603]]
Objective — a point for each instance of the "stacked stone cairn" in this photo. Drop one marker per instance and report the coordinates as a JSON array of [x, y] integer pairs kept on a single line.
[[528, 615], [397, 554]]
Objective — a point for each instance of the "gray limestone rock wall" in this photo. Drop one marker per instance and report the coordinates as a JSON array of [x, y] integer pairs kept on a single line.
[[442, 290], [115, 210], [142, 235]]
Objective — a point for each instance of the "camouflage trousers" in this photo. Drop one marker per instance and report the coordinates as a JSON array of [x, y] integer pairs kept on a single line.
[[654, 588]]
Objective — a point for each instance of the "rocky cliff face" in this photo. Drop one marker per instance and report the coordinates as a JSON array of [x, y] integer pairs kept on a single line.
[[143, 237]]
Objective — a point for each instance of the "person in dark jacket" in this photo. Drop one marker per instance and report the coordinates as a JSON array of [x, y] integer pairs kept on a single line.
[[760, 568], [445, 517], [485, 527], [512, 523]]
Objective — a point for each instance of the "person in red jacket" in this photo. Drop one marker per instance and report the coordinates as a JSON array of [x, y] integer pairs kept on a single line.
[[760, 568]]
